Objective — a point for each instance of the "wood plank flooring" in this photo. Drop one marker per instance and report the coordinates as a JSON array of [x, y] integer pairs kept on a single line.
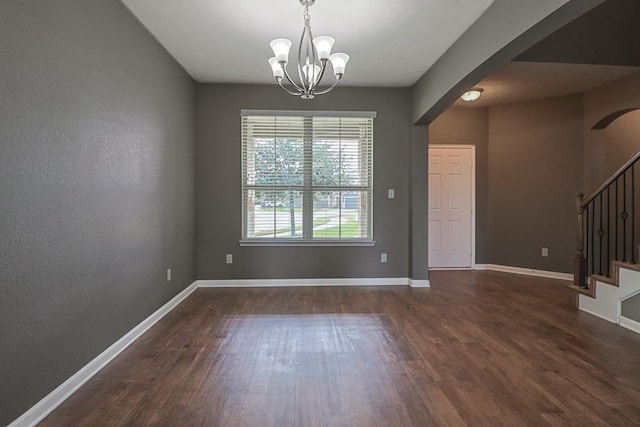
[[478, 348]]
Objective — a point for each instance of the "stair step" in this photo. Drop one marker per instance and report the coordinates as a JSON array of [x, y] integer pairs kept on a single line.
[[604, 279], [590, 292], [613, 281], [627, 265]]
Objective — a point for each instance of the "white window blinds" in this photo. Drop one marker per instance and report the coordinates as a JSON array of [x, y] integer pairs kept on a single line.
[[307, 177]]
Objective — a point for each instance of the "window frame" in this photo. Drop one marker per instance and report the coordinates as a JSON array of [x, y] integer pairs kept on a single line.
[[307, 188]]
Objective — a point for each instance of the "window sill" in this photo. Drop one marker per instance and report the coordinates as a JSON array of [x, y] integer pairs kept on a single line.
[[297, 242]]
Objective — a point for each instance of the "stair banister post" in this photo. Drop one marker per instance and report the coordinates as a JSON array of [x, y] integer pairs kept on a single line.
[[580, 263]]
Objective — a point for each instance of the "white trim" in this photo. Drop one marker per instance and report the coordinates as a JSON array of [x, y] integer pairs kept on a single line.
[[54, 399], [308, 242], [525, 271], [630, 295], [619, 315], [630, 324], [593, 313], [473, 195], [310, 113], [269, 283], [419, 283]]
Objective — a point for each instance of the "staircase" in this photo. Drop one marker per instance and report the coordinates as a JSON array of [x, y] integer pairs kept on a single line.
[[606, 269]]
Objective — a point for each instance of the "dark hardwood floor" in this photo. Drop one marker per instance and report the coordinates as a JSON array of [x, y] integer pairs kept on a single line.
[[478, 348]]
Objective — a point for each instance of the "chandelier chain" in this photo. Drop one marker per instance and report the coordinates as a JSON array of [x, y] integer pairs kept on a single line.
[[307, 16]]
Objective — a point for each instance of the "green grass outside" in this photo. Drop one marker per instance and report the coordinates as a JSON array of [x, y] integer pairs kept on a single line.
[[283, 209], [320, 221], [278, 231], [316, 222], [349, 229]]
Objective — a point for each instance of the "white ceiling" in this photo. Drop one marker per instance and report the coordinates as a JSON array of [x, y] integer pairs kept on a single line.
[[523, 81], [391, 42]]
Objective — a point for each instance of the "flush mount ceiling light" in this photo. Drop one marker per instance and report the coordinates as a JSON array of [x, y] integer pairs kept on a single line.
[[313, 56], [472, 95]]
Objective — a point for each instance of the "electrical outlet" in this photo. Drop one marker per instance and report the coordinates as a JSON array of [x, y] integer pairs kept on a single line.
[[545, 251], [229, 258], [168, 274], [391, 193], [383, 257]]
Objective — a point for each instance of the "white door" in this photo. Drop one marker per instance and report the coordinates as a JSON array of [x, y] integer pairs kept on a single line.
[[450, 206]]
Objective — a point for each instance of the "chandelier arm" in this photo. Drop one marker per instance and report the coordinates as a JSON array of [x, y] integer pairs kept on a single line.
[[286, 74], [303, 82], [313, 82], [330, 88], [324, 67], [286, 89]]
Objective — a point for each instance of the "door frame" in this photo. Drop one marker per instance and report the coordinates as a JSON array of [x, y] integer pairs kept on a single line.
[[473, 201]]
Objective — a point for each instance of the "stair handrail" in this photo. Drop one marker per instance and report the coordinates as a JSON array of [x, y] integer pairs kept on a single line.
[[613, 177], [582, 203]]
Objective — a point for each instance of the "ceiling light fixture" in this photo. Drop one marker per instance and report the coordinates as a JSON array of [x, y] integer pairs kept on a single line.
[[313, 55], [472, 95]]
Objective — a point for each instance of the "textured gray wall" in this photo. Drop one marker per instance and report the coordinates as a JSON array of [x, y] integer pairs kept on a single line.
[[506, 29], [621, 140], [419, 203], [219, 202], [535, 172], [608, 149], [469, 126], [601, 36], [532, 129], [97, 187], [631, 308], [521, 151]]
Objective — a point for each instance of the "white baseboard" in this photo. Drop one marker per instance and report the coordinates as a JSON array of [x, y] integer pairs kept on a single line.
[[54, 399], [593, 313], [525, 271], [419, 283], [267, 283], [630, 324]]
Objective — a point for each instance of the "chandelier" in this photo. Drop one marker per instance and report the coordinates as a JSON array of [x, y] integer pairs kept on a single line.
[[313, 56]]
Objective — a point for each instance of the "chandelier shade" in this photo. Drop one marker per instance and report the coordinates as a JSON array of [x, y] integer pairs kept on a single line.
[[323, 45], [276, 68], [281, 49], [313, 56], [339, 63]]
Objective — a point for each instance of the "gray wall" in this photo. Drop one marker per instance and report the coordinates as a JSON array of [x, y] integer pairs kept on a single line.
[[608, 149], [528, 172], [419, 204], [506, 29], [469, 126], [631, 308], [97, 193], [601, 36], [218, 193], [535, 173], [621, 140]]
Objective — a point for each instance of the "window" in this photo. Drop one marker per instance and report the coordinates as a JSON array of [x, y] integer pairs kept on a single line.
[[307, 177]]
